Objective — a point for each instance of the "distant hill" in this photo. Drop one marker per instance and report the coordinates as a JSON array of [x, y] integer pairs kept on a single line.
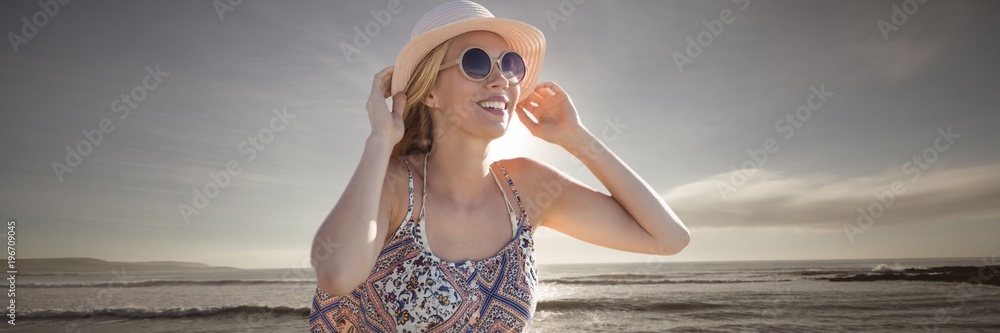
[[82, 265]]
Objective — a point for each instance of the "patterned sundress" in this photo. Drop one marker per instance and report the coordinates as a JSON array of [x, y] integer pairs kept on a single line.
[[412, 290]]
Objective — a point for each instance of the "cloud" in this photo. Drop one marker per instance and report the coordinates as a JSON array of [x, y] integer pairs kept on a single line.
[[891, 63], [825, 202]]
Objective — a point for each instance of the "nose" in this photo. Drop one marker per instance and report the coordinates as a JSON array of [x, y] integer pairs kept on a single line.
[[496, 78]]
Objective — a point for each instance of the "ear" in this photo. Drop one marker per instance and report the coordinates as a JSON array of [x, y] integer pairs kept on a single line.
[[431, 101]]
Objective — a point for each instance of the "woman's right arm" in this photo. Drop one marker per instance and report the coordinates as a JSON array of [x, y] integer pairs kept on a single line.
[[349, 240]]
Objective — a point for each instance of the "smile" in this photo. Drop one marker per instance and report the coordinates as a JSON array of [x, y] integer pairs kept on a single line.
[[494, 107]]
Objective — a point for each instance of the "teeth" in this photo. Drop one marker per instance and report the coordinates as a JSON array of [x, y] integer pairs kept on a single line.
[[494, 105]]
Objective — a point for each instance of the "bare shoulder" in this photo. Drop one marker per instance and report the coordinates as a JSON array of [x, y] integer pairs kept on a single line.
[[516, 168], [396, 174], [530, 170], [395, 192], [535, 181]]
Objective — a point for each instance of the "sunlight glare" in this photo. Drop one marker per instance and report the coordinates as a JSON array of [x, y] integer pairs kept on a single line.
[[517, 142]]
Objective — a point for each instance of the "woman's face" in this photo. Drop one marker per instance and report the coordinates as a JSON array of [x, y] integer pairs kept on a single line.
[[459, 98]]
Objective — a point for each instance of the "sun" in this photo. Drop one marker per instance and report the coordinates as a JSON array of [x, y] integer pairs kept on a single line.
[[517, 142]]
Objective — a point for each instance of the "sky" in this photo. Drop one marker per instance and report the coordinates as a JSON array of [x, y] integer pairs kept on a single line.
[[776, 130]]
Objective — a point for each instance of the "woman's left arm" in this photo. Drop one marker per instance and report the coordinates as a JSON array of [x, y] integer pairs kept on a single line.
[[633, 218]]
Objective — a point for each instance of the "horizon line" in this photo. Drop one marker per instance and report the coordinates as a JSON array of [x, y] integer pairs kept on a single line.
[[546, 264]]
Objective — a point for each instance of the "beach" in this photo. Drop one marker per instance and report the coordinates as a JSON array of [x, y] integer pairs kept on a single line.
[[765, 296]]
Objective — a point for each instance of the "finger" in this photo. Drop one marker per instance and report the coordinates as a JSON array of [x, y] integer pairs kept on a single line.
[[544, 92], [379, 80], [526, 104], [378, 76], [528, 123], [399, 102], [530, 95], [543, 89], [387, 83], [554, 87], [536, 96], [532, 105], [534, 92]]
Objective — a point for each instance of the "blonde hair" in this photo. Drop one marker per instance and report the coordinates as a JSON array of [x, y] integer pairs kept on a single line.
[[418, 134]]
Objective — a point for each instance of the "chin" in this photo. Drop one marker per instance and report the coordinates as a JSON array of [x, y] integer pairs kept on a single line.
[[494, 131]]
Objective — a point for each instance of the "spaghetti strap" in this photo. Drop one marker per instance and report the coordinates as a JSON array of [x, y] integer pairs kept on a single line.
[[510, 209], [409, 176], [500, 291], [514, 189], [423, 199]]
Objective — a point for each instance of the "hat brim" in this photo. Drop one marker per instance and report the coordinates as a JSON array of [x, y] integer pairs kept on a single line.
[[523, 38]]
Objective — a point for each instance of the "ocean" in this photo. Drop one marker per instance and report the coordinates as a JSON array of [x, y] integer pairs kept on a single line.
[[765, 296]]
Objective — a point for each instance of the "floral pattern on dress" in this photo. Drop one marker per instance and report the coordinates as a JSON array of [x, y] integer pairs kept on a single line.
[[411, 290]]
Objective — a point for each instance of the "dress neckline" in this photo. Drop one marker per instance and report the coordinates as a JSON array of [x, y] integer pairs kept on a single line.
[[421, 233]]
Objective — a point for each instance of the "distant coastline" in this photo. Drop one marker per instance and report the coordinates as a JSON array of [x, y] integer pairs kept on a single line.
[[73, 266]]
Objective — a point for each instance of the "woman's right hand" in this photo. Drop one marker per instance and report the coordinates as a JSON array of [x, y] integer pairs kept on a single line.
[[385, 123]]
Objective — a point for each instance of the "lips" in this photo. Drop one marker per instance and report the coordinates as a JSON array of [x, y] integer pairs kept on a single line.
[[495, 104], [499, 112]]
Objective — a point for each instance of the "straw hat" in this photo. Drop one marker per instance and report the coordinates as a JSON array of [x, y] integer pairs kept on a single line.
[[455, 18]]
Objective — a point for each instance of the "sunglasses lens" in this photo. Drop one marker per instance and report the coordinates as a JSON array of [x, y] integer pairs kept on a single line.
[[513, 66], [476, 63]]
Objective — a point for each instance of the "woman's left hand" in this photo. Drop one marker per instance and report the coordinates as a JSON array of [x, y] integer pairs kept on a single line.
[[557, 120]]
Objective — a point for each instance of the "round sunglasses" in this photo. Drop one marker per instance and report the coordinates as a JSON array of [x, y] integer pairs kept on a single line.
[[477, 65]]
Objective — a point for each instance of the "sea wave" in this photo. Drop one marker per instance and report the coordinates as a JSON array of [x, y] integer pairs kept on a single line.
[[626, 279], [813, 272], [893, 268], [156, 283], [621, 276], [604, 279], [979, 275], [164, 313], [601, 304], [612, 304], [560, 305]]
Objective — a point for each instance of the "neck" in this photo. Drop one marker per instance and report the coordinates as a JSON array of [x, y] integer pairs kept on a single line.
[[459, 171]]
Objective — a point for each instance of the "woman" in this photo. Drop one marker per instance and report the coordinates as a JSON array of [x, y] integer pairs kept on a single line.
[[466, 264]]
